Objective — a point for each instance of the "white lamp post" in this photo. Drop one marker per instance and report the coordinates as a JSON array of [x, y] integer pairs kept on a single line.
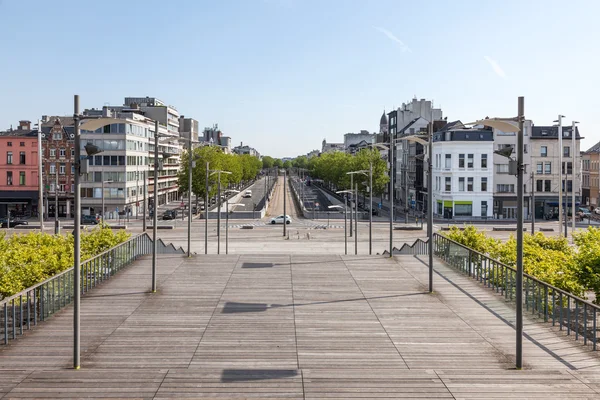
[[345, 219]]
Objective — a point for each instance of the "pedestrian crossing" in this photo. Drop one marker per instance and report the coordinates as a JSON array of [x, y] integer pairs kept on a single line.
[[295, 224]]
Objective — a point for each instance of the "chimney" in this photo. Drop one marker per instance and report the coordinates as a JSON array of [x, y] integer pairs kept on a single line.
[[24, 125], [44, 118]]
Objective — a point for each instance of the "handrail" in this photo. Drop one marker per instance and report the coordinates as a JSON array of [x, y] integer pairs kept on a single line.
[[568, 311], [38, 302], [525, 275], [23, 292]]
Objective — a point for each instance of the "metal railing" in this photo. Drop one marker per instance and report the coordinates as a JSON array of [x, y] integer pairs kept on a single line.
[[573, 315], [25, 309]]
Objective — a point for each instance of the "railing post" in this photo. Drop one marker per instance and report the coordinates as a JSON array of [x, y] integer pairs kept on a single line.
[[546, 305], [29, 310], [5, 323], [585, 334], [21, 315]]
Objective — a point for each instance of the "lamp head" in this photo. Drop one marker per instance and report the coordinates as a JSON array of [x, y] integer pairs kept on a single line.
[[92, 149], [505, 152]]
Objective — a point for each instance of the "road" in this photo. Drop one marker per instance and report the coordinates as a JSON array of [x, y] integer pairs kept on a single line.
[[258, 192], [276, 205]]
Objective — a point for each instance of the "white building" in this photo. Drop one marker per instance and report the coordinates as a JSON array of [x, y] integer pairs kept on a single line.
[[505, 195], [245, 149], [331, 147], [463, 176]]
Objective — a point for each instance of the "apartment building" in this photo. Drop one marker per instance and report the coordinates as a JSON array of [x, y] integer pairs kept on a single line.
[[58, 165], [463, 176], [550, 177], [126, 164], [19, 161], [590, 176]]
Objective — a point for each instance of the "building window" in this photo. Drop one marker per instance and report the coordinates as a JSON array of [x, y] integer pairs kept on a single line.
[[505, 188], [461, 161], [566, 151], [484, 161], [461, 184], [9, 144], [52, 168], [469, 184], [72, 153], [22, 178], [57, 136], [470, 161], [569, 185], [61, 169], [9, 157], [569, 167], [484, 208], [22, 157], [9, 180], [62, 152], [525, 148], [22, 144], [539, 184], [540, 168], [502, 168], [72, 169], [484, 184], [547, 187], [548, 168], [463, 210], [448, 164], [448, 184], [53, 153], [544, 151]]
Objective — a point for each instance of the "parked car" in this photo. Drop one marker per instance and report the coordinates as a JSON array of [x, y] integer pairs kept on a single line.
[[89, 220], [597, 210], [13, 222], [169, 214], [584, 212], [248, 194], [279, 220]]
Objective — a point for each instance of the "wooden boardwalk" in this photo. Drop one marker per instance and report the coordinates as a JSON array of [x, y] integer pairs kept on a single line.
[[294, 327]]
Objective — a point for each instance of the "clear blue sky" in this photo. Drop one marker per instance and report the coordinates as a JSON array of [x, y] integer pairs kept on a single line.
[[282, 75]]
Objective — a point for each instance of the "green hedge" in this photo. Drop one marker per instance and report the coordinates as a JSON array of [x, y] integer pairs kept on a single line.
[[27, 259]]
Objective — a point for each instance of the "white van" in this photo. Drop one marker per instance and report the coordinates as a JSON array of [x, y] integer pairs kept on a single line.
[[248, 193]]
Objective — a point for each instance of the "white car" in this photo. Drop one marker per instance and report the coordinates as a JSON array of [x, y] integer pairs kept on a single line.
[[279, 220], [248, 194]]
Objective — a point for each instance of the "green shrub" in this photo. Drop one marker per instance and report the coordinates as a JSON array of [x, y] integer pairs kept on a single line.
[[27, 259]]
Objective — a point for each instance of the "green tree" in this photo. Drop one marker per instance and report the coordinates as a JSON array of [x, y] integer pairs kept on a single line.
[[287, 164], [588, 259], [278, 163], [268, 162]]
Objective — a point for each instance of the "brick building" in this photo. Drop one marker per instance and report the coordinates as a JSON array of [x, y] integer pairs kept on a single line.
[[19, 171]]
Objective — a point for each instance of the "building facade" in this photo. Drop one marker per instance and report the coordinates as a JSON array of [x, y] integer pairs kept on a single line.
[[590, 177], [351, 140], [550, 177], [505, 195], [125, 167], [58, 165], [331, 147], [245, 149], [462, 173], [19, 161]]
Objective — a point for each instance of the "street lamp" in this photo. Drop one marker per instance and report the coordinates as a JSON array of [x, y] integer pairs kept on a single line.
[[560, 188], [516, 125], [368, 173], [345, 219], [219, 172], [573, 131], [227, 220]]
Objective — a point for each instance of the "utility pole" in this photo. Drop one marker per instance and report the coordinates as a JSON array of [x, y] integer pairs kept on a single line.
[[391, 157], [405, 163], [519, 277], [190, 167], [155, 208], [76, 238], [532, 201], [284, 211], [219, 213], [356, 222], [206, 210], [351, 201], [573, 152], [560, 163], [370, 206], [430, 204], [40, 179], [56, 223]]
